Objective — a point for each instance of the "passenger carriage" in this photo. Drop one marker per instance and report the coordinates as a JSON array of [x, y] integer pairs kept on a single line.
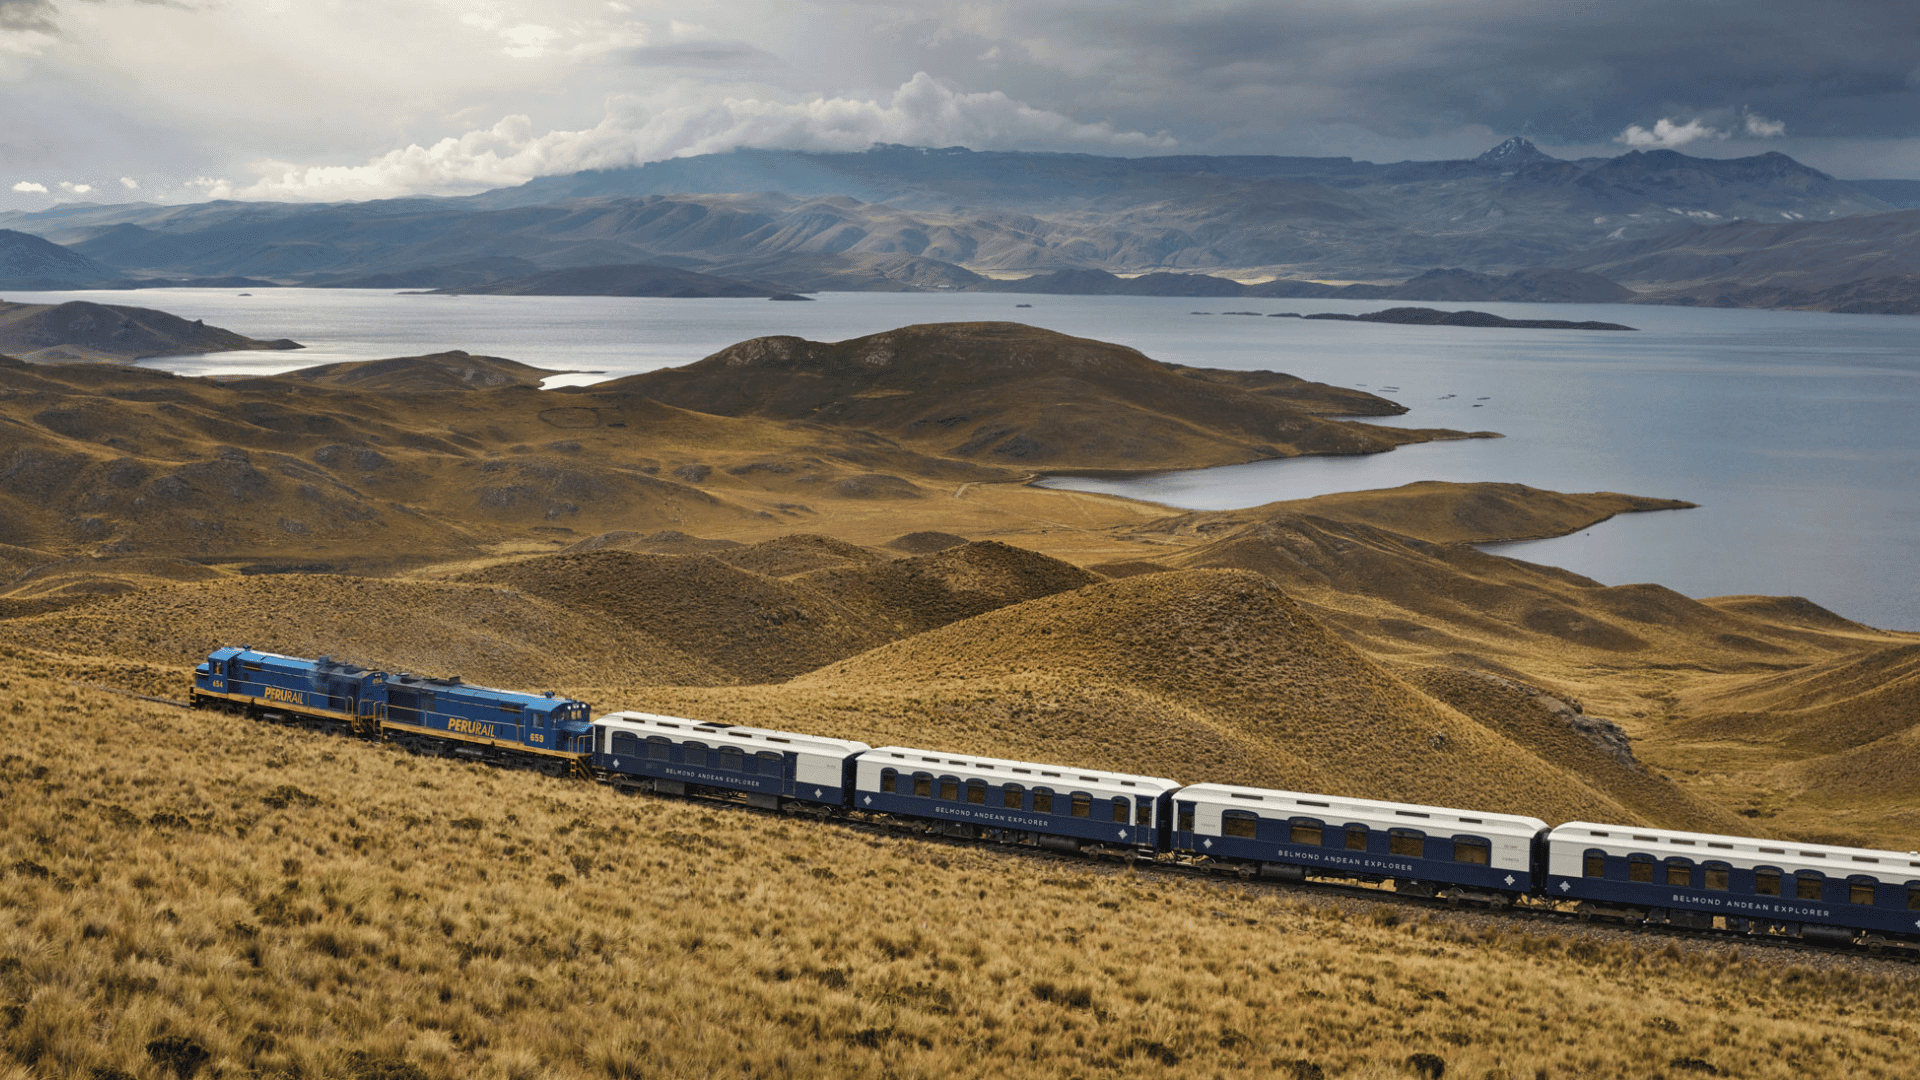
[[1425, 850], [668, 754], [1053, 806], [1814, 891]]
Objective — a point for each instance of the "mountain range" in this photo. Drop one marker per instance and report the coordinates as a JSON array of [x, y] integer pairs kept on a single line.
[[896, 217]]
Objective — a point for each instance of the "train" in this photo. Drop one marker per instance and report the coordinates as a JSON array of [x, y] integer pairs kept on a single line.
[[1626, 873]]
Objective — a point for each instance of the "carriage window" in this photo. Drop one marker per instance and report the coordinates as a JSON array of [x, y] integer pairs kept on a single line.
[[1679, 872], [1407, 842], [1469, 849], [1043, 800], [659, 748], [977, 792], [1913, 898], [923, 785], [949, 789], [771, 764], [1082, 804], [889, 780], [1185, 823], [1716, 878], [1120, 811], [1304, 832], [1766, 882], [1594, 865], [1356, 838], [731, 759], [1640, 868], [1808, 886], [693, 753], [625, 743], [1011, 796], [1860, 891], [1144, 818], [1241, 823]]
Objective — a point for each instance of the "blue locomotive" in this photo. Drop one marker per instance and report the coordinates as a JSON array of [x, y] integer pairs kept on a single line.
[[442, 717], [1632, 874]]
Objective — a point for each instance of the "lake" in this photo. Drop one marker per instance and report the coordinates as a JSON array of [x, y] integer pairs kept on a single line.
[[1795, 431]]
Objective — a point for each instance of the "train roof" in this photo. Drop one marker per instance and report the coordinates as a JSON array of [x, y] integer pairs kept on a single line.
[[1026, 772], [1310, 802], [407, 679], [682, 727], [1788, 855]]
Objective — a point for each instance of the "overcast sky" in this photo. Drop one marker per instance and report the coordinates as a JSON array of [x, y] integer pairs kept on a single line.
[[181, 100]]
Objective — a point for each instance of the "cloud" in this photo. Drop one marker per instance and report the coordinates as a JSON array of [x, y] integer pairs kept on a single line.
[[28, 187], [129, 183], [77, 189], [923, 112], [1666, 134], [706, 54]]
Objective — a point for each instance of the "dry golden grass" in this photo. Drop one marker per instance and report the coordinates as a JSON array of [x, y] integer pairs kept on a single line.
[[289, 905]]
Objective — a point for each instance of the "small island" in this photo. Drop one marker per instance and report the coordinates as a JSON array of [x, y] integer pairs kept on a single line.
[[1420, 316]]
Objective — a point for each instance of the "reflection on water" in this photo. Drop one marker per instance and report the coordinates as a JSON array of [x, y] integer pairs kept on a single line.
[[1793, 430]]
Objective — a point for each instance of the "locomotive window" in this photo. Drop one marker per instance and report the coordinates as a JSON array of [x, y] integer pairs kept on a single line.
[[1717, 878], [1356, 838], [1011, 796], [1594, 865], [1120, 811], [889, 780], [1304, 832], [659, 747], [923, 785], [1144, 817], [1471, 850], [1082, 804], [949, 789], [1186, 817], [1043, 800], [1860, 891], [1679, 872], [977, 792], [1241, 823], [250, 666], [1766, 882], [1807, 886], [1410, 842]]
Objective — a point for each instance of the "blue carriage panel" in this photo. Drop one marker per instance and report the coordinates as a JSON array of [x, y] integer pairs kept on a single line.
[[1363, 837], [759, 762], [1738, 877], [1025, 796]]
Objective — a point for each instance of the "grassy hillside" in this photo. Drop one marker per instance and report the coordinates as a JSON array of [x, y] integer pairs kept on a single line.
[[227, 899], [1011, 394]]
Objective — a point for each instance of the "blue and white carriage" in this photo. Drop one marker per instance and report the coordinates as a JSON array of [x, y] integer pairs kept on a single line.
[[1763, 886], [1056, 806], [671, 755], [1425, 850]]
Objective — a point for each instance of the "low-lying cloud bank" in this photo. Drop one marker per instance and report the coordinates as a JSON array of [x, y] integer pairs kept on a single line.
[[923, 112]]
